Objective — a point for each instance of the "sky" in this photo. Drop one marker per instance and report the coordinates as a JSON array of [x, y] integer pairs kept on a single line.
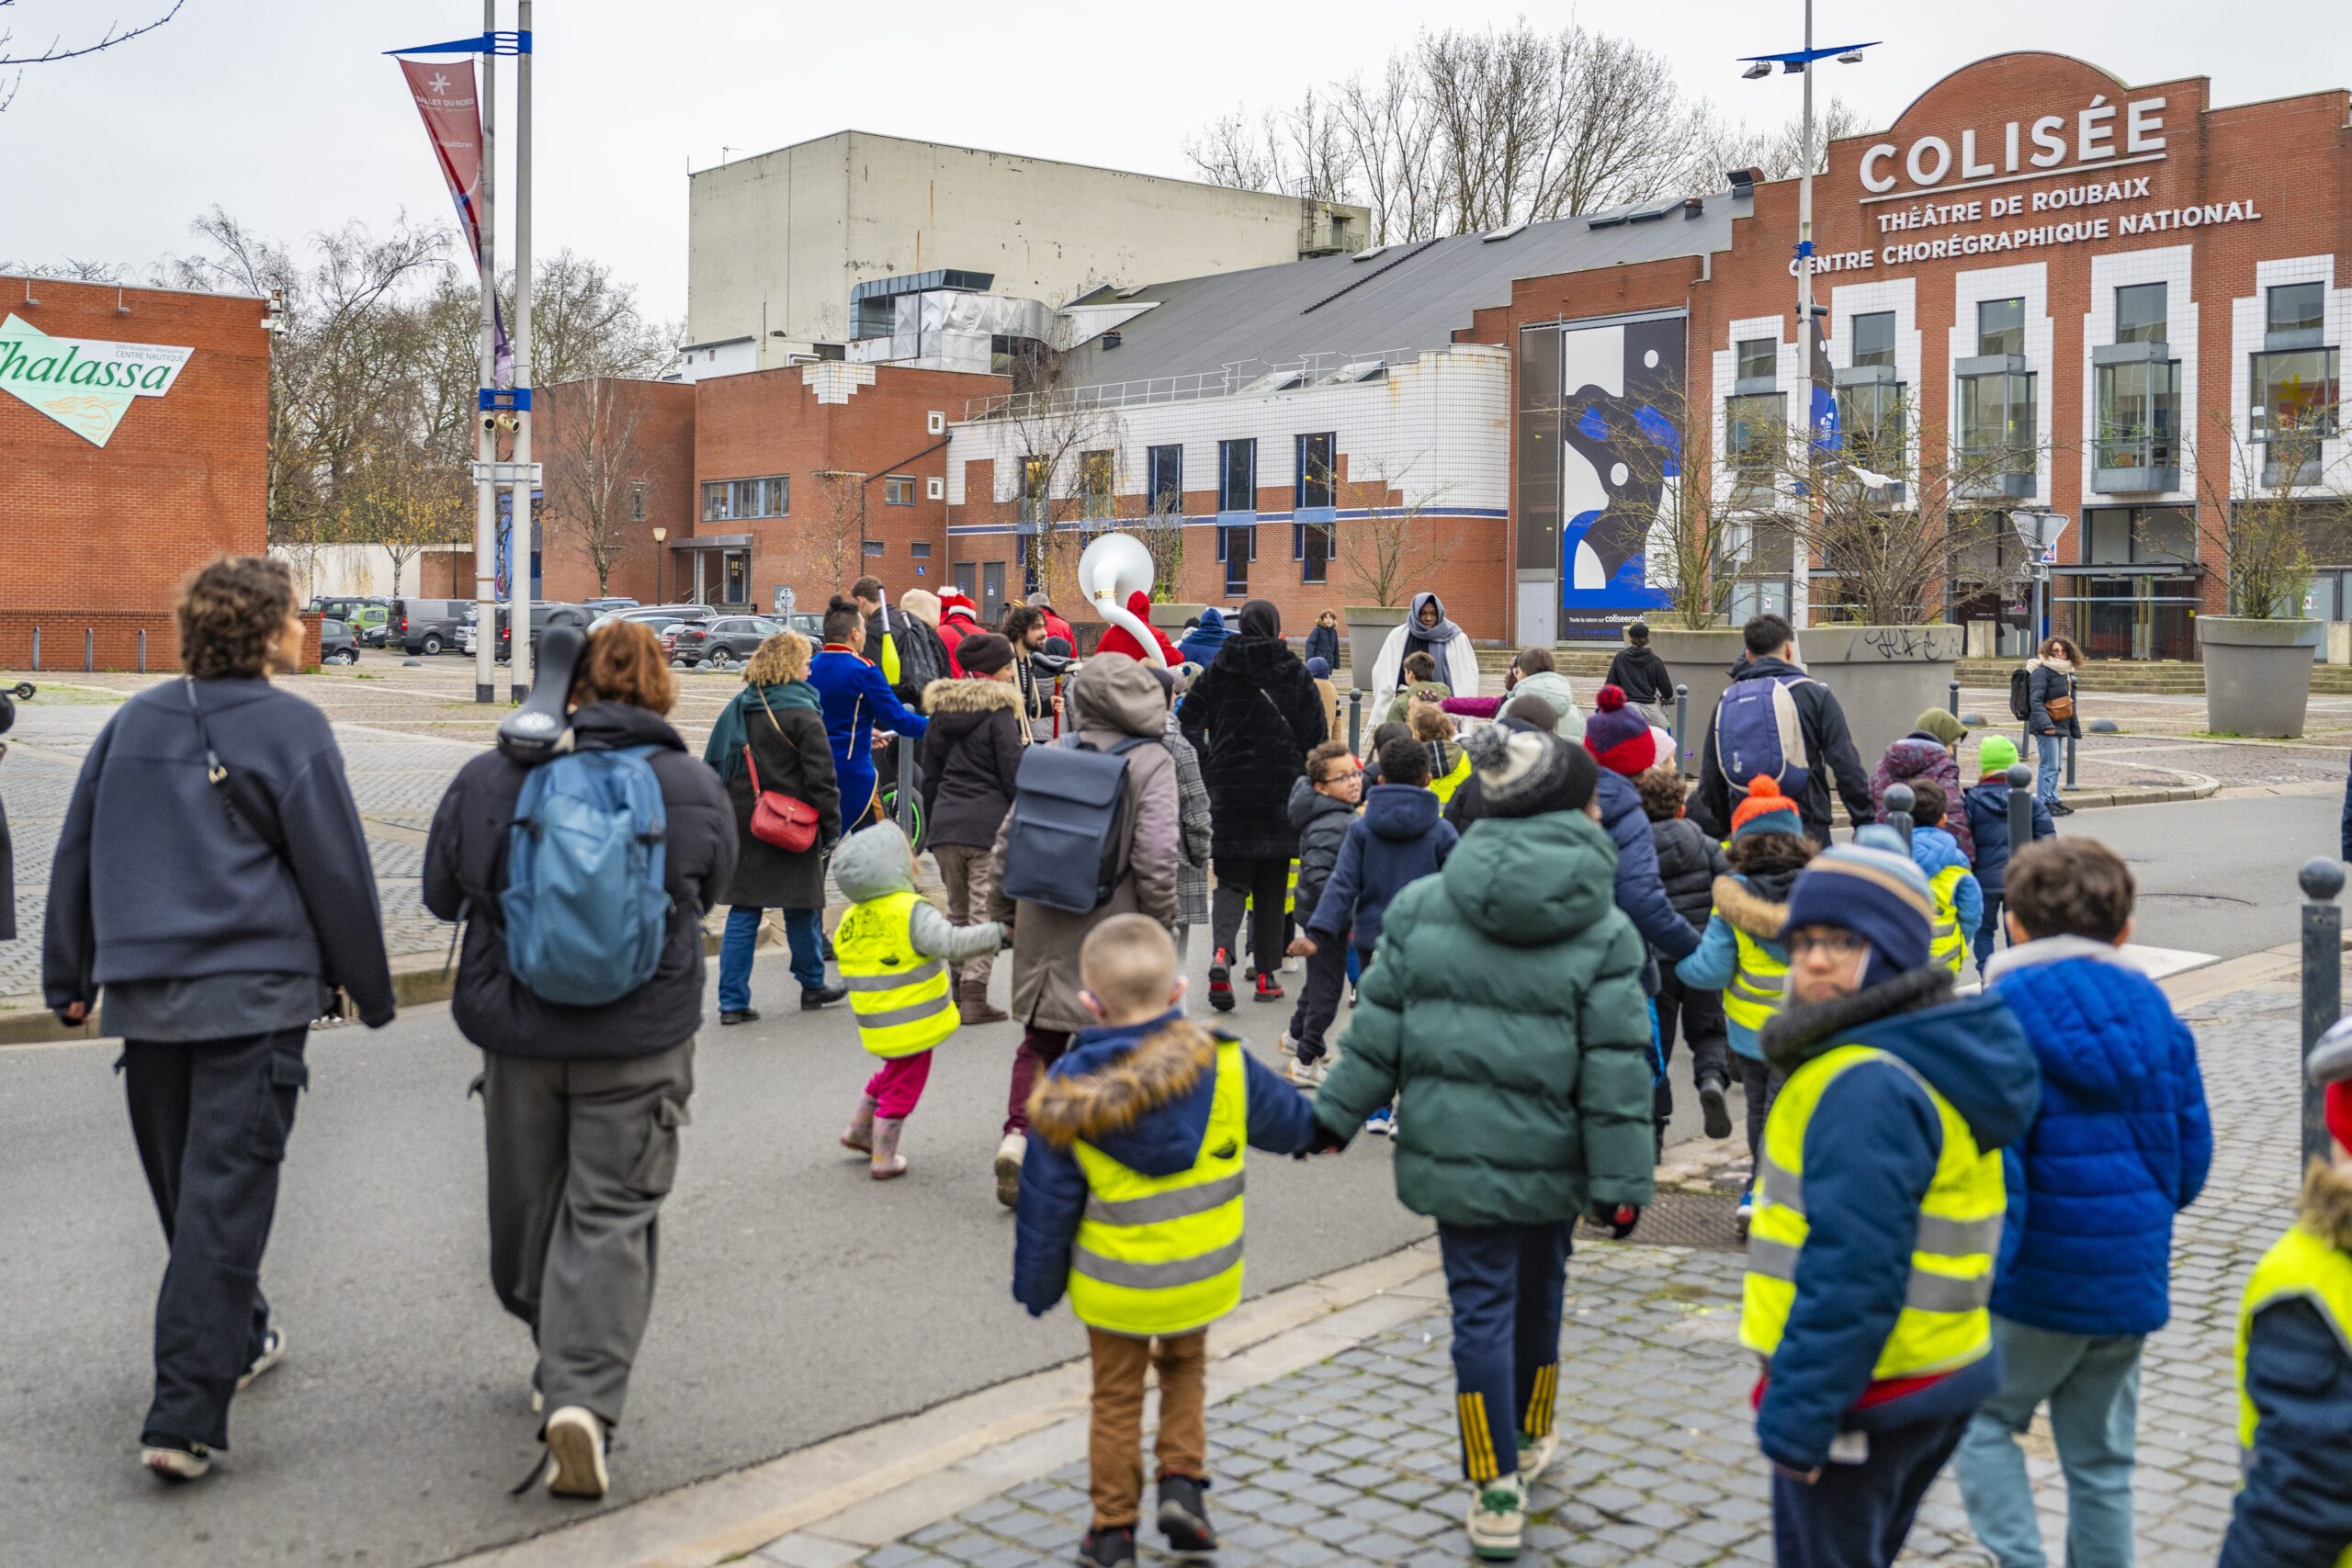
[[285, 113]]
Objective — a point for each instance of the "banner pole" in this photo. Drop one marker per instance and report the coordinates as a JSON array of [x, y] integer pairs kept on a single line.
[[518, 672], [485, 436]]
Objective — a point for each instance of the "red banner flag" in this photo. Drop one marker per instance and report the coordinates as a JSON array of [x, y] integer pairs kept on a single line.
[[445, 99]]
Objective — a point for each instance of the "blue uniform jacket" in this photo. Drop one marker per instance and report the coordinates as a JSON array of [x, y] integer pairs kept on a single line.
[[1988, 819], [2122, 1142], [1400, 838], [1139, 1093], [1870, 1155], [855, 698]]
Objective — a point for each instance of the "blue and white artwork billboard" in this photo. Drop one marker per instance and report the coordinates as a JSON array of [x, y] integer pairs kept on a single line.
[[1621, 391]]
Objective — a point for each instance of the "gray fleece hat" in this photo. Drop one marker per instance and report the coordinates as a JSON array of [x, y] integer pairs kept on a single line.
[[1524, 773]]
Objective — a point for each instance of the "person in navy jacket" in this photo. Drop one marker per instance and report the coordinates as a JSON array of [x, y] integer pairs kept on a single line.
[[855, 698], [2122, 1143]]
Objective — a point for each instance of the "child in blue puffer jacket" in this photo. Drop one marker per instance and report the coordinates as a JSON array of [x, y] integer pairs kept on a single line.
[[2122, 1143], [1960, 899]]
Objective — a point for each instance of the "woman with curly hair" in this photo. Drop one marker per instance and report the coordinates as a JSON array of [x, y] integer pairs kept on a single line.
[[213, 882]]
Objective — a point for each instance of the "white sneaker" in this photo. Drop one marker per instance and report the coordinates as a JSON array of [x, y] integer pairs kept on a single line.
[[1306, 1074], [1009, 1155], [177, 1464], [1285, 1045], [1535, 1456], [273, 1350], [1293, 965], [575, 1440], [1497, 1515]]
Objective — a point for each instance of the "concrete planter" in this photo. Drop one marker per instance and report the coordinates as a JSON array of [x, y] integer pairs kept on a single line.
[[1701, 661], [2257, 674], [1884, 677], [1368, 627]]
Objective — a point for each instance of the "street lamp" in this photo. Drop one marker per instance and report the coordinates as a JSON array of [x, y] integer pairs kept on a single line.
[[1818, 409], [659, 535]]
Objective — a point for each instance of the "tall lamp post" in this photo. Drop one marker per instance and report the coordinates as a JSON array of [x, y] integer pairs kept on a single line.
[[1821, 414], [659, 535]]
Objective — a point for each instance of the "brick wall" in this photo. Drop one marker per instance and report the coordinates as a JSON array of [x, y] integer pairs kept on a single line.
[[649, 426]]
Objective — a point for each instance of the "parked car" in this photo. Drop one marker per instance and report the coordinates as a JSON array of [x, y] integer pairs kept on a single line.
[[543, 615], [337, 645], [425, 626], [608, 603], [729, 639], [368, 623]]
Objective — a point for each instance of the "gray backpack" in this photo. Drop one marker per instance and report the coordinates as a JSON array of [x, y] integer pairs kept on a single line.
[[1069, 824]]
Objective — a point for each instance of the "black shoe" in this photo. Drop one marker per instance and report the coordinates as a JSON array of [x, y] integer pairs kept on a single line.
[[1185, 1515], [1108, 1549], [1221, 981], [2060, 809], [1718, 1115], [813, 998], [740, 1015]]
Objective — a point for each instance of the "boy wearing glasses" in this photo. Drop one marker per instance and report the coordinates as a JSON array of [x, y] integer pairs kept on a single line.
[[1879, 1205], [1322, 804]]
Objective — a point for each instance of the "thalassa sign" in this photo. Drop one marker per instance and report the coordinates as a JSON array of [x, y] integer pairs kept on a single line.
[[83, 384]]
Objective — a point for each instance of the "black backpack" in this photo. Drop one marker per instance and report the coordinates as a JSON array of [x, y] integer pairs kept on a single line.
[[2021, 693], [1069, 821]]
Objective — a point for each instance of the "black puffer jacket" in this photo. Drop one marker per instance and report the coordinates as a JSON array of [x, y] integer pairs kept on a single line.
[[1253, 715], [465, 869], [1321, 823], [1688, 863], [971, 758]]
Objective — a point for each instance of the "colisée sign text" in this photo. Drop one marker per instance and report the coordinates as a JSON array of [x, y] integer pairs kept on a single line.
[[2089, 137]]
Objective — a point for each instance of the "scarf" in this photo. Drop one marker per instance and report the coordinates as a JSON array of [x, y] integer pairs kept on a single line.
[[731, 733], [1429, 637], [1260, 619]]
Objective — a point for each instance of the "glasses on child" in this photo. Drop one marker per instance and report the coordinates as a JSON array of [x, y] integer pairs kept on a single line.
[[1837, 943], [1351, 773]]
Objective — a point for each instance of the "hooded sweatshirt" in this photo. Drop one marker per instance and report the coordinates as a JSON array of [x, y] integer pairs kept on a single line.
[[873, 863], [1870, 1155], [1920, 756], [1141, 1093], [1202, 644], [1399, 837], [1321, 822], [1934, 851], [1505, 1016], [1987, 811], [1119, 640]]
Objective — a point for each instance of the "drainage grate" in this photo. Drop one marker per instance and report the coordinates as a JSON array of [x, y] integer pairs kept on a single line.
[[1686, 1219]]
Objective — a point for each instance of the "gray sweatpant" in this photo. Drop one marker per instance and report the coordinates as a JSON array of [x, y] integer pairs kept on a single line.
[[582, 1153]]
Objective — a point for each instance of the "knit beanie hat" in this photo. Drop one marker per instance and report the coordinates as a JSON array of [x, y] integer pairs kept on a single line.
[[1875, 893], [1618, 737], [1319, 668], [923, 605], [1526, 772], [1766, 810], [983, 653], [1943, 724], [1997, 754]]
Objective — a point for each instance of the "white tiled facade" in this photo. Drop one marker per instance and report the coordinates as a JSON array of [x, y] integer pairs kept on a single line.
[[1971, 288], [2175, 268], [2248, 319], [1900, 296]]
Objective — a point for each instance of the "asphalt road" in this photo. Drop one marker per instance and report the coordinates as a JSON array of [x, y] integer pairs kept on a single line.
[[2217, 876]]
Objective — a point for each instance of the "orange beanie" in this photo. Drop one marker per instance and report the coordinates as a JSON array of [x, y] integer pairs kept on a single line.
[[1765, 800]]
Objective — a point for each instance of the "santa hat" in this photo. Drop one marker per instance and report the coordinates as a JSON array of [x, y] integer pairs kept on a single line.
[[954, 601], [1619, 739], [2331, 1072]]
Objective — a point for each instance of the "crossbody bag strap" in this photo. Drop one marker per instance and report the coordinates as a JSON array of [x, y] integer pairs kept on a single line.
[[237, 797]]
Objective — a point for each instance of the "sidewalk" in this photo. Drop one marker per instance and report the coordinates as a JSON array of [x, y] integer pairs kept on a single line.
[[1332, 1438]]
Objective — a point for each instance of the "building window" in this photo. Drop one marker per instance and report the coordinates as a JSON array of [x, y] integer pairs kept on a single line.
[[637, 500], [1094, 472], [898, 489], [726, 500], [920, 550], [2000, 326], [1758, 358], [1998, 425], [1236, 476], [2140, 311], [1237, 547], [2295, 397], [1874, 339], [1315, 473], [2139, 415], [1752, 434], [1164, 490], [1313, 545], [1037, 481], [1870, 417], [870, 547], [2297, 307]]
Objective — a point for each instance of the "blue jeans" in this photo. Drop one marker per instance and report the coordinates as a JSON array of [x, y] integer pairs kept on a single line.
[[2093, 1389], [803, 931], [2054, 753]]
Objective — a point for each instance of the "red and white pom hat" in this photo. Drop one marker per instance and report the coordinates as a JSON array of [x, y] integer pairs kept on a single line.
[[952, 599], [1620, 738]]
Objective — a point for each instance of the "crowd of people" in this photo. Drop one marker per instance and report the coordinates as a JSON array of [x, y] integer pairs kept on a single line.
[[1966, 1158]]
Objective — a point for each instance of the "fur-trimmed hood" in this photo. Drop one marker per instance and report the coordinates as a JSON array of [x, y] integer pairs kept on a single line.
[[1747, 909], [2327, 1205], [1139, 1093], [970, 696]]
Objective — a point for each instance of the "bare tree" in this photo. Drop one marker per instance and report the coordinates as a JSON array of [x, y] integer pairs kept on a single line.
[[1697, 545], [1394, 545], [2267, 499], [836, 540], [401, 497], [59, 49], [598, 472], [585, 324], [1777, 150], [1162, 529]]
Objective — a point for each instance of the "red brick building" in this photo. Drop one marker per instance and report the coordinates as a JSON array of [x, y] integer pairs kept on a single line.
[[135, 424]]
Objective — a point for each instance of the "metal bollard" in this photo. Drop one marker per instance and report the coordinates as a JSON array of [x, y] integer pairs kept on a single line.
[[1955, 699], [2322, 880], [1898, 810], [36, 647], [1681, 718], [2020, 807], [909, 801], [2070, 761], [1355, 721], [89, 648], [142, 650]]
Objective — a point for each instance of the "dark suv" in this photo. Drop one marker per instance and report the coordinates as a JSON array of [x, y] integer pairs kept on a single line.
[[425, 626], [729, 639]]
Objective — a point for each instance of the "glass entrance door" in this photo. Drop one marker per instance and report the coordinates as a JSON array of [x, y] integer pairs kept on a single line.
[[2129, 617]]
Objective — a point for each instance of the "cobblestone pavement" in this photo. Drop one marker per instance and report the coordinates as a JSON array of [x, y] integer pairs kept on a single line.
[[1355, 1459]]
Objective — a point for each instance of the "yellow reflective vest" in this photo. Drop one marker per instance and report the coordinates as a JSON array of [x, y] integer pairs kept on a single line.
[[2300, 1265], [1443, 784], [1943, 1324], [898, 996], [1159, 1255], [1758, 983], [1949, 944]]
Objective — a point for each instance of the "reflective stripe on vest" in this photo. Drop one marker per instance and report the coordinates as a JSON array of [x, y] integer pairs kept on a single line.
[[2301, 1266], [1443, 785], [1950, 946], [1162, 1254], [900, 998], [1755, 992], [1943, 1324]]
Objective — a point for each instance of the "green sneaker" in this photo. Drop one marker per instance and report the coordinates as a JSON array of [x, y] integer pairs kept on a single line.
[[1497, 1513], [1535, 1457]]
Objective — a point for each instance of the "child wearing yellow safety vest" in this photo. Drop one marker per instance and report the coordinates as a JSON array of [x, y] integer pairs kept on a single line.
[[1959, 901], [1740, 954], [1131, 1201], [1879, 1206], [894, 950], [2294, 1362]]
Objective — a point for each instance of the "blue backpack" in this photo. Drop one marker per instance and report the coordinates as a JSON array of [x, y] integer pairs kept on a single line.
[[585, 908], [1760, 734]]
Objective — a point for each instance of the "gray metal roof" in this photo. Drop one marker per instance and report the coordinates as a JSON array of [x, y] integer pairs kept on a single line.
[[1410, 296]]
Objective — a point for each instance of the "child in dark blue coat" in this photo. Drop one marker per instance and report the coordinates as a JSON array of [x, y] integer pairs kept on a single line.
[[1987, 805], [2121, 1145]]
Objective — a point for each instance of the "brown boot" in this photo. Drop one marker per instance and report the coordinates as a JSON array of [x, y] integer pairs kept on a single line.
[[972, 1002]]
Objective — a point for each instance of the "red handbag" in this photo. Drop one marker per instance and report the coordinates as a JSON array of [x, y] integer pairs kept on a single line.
[[777, 817]]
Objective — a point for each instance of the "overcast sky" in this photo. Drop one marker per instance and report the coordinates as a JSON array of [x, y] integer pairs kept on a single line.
[[285, 113]]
